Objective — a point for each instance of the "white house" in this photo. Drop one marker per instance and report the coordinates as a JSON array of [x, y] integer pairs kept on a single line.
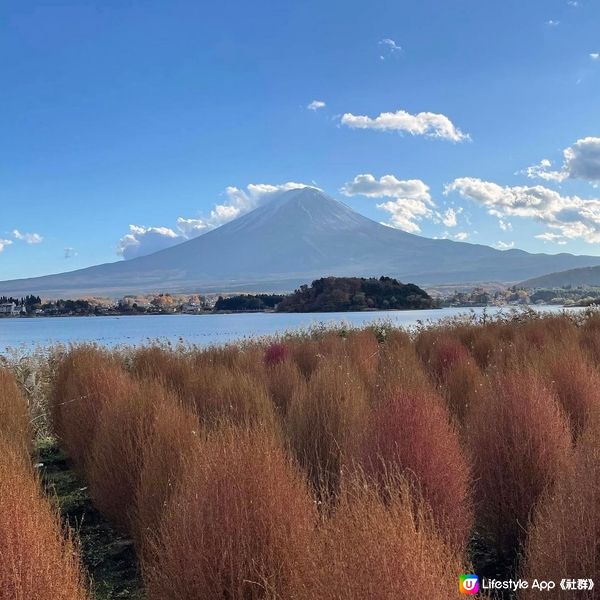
[[9, 308]]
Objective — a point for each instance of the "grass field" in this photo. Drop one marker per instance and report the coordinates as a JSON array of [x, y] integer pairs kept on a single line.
[[340, 464]]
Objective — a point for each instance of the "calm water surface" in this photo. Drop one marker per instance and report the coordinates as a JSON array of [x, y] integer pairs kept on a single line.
[[200, 330]]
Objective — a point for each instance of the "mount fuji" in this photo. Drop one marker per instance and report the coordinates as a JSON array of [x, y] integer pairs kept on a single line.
[[297, 237]]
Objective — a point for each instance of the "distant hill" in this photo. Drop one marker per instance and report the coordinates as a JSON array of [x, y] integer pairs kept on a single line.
[[336, 294], [298, 236], [586, 276]]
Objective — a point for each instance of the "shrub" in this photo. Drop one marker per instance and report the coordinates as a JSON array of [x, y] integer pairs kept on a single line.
[[564, 539], [283, 380], [124, 427], [577, 387], [219, 394], [85, 380], [410, 436], [381, 551], [238, 526], [15, 425], [38, 560], [399, 369], [519, 440], [170, 368], [325, 420], [175, 432], [276, 353]]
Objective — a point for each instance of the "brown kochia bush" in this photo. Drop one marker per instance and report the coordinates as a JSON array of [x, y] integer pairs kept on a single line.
[[37, 560], [577, 387], [399, 369], [325, 420], [381, 550], [220, 394], [125, 425], [411, 436], [283, 379], [520, 441], [86, 378], [564, 539], [171, 368], [175, 431], [15, 426], [238, 526]]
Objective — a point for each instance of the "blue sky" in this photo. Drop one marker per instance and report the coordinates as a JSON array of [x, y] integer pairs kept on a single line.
[[137, 113]]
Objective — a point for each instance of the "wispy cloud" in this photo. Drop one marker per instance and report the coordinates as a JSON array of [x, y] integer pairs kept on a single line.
[[316, 105], [4, 243], [28, 238], [504, 245], [390, 48], [70, 252], [595, 55], [552, 23], [427, 124]]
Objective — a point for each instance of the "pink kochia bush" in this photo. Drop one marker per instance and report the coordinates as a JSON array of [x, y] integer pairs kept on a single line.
[[411, 436], [276, 353]]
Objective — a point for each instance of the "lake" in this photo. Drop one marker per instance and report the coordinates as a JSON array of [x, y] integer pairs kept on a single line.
[[201, 330]]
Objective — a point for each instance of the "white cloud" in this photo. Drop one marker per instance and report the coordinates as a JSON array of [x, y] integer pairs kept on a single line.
[[461, 236], [316, 105], [573, 3], [449, 218], [580, 161], [428, 124], [504, 245], [143, 240], [191, 227], [504, 225], [70, 252], [570, 216], [4, 243], [29, 238], [543, 170], [595, 55], [552, 23], [386, 186], [548, 236], [390, 46], [411, 199]]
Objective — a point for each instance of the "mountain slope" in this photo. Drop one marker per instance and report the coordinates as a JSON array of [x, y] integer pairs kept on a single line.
[[300, 236], [589, 276]]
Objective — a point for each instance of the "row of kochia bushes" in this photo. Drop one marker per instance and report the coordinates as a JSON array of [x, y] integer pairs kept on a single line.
[[38, 558], [364, 465]]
